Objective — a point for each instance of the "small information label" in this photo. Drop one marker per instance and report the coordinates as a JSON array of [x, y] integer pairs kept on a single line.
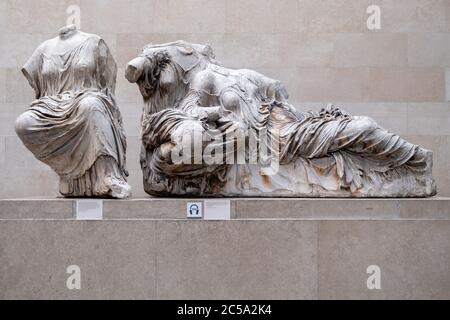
[[89, 209], [217, 210], [194, 210]]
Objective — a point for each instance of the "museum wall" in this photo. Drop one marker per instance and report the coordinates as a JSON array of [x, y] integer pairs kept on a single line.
[[322, 51]]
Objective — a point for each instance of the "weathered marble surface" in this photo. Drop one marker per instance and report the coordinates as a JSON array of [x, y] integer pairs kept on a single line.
[[187, 93], [74, 125]]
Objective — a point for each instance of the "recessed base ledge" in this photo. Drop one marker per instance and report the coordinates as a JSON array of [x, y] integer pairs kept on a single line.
[[434, 208]]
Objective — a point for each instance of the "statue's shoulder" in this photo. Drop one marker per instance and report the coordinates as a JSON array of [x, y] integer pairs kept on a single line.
[[219, 70], [50, 44], [47, 45], [92, 37]]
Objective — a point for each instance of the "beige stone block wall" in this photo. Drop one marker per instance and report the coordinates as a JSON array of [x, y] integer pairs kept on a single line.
[[321, 50], [241, 259]]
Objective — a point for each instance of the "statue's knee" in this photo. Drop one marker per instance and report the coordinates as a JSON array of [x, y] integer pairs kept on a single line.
[[366, 123], [166, 150], [89, 104], [231, 101], [24, 122]]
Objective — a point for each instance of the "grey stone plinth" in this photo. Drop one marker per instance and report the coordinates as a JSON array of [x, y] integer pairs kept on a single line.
[[276, 249], [436, 208]]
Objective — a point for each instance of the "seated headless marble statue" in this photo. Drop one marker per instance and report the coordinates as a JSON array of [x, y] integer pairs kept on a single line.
[[74, 125], [319, 154]]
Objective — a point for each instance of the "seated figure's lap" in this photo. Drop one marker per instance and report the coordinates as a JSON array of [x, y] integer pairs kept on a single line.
[[29, 120]]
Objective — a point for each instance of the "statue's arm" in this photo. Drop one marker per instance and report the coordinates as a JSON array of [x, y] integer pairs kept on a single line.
[[210, 113], [107, 68], [32, 69]]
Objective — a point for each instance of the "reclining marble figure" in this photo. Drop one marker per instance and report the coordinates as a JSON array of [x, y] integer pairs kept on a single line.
[[74, 125], [331, 153]]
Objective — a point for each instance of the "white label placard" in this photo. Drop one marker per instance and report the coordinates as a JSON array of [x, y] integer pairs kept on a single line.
[[194, 210], [217, 210], [89, 209]]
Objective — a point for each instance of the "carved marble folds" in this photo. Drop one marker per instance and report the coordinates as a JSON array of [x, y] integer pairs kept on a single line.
[[74, 125], [331, 153]]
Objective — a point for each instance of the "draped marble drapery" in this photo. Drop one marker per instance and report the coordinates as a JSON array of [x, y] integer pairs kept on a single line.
[[321, 154], [74, 125]]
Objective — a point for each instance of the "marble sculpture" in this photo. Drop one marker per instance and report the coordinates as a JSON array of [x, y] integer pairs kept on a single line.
[[74, 125], [208, 130]]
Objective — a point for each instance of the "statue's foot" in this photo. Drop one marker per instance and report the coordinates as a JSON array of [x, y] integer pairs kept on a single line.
[[430, 182], [422, 161], [120, 189], [421, 168], [428, 159]]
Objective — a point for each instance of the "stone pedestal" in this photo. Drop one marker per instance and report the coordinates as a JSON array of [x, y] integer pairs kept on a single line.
[[270, 249]]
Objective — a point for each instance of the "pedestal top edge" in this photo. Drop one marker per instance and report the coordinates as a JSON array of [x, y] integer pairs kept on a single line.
[[166, 199]]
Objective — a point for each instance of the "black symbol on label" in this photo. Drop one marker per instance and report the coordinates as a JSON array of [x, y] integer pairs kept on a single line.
[[194, 210]]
